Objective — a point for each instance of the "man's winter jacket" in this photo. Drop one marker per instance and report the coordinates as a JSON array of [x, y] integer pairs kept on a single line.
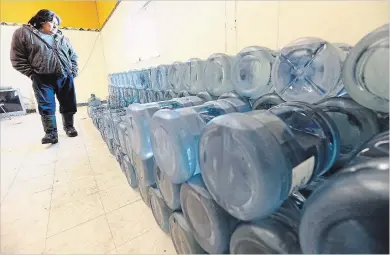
[[31, 54]]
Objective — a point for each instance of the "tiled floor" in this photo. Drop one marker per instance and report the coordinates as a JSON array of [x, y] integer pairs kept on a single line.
[[70, 197]]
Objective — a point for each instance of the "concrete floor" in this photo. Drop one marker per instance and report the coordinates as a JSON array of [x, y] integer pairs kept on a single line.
[[70, 197]]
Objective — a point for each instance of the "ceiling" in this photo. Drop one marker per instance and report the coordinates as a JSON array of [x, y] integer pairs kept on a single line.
[[74, 14]]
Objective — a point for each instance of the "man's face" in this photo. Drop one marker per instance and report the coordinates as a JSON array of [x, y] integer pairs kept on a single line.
[[50, 27]]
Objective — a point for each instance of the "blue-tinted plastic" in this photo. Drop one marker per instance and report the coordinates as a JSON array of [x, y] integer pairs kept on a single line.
[[218, 74], [206, 96], [307, 70], [251, 162], [162, 77], [276, 234], [252, 72], [267, 101], [139, 115], [175, 76], [355, 123], [210, 224], [339, 90], [175, 135], [169, 94], [169, 191], [129, 172], [182, 237], [376, 147], [366, 70], [183, 93], [160, 210], [194, 76], [349, 213], [145, 194]]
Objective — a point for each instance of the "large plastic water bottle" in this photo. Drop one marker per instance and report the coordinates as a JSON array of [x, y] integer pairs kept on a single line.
[[218, 74], [194, 76], [154, 79], [138, 118], [307, 70], [252, 72], [366, 70], [93, 102], [276, 234], [160, 210], [349, 213], [175, 76], [210, 224], [182, 237], [169, 191], [175, 135], [267, 101], [355, 123], [251, 162], [162, 77]]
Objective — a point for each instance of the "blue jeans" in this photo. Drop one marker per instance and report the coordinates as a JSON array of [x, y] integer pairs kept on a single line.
[[48, 85]]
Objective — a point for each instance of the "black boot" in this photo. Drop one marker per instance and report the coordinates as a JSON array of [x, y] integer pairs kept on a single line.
[[67, 120], [50, 126]]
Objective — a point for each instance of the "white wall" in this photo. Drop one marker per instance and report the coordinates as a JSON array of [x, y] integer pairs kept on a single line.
[[179, 30], [92, 74]]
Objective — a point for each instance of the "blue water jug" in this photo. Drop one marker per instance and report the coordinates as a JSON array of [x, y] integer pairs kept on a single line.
[[307, 70], [194, 76], [162, 77], [160, 210], [138, 118], [169, 191], [349, 213], [218, 74], [175, 135], [210, 224], [276, 234], [355, 123], [182, 237], [175, 76], [251, 162], [252, 72], [366, 70]]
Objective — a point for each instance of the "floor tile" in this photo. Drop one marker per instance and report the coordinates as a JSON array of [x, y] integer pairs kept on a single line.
[[130, 221], [118, 196], [92, 237], [154, 241], [71, 209]]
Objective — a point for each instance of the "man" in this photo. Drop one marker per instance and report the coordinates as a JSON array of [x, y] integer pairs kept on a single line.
[[42, 53]]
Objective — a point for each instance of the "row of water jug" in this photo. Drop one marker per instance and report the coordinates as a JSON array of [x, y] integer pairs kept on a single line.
[[273, 195], [307, 70]]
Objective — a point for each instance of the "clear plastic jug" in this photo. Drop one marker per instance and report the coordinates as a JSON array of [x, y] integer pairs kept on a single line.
[[307, 70], [366, 70], [218, 74], [252, 72], [175, 135], [251, 162]]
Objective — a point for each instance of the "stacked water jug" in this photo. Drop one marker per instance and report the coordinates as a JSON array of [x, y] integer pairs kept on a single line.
[[263, 152]]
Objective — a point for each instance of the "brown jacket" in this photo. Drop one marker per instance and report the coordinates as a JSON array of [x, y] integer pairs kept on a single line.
[[31, 54]]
